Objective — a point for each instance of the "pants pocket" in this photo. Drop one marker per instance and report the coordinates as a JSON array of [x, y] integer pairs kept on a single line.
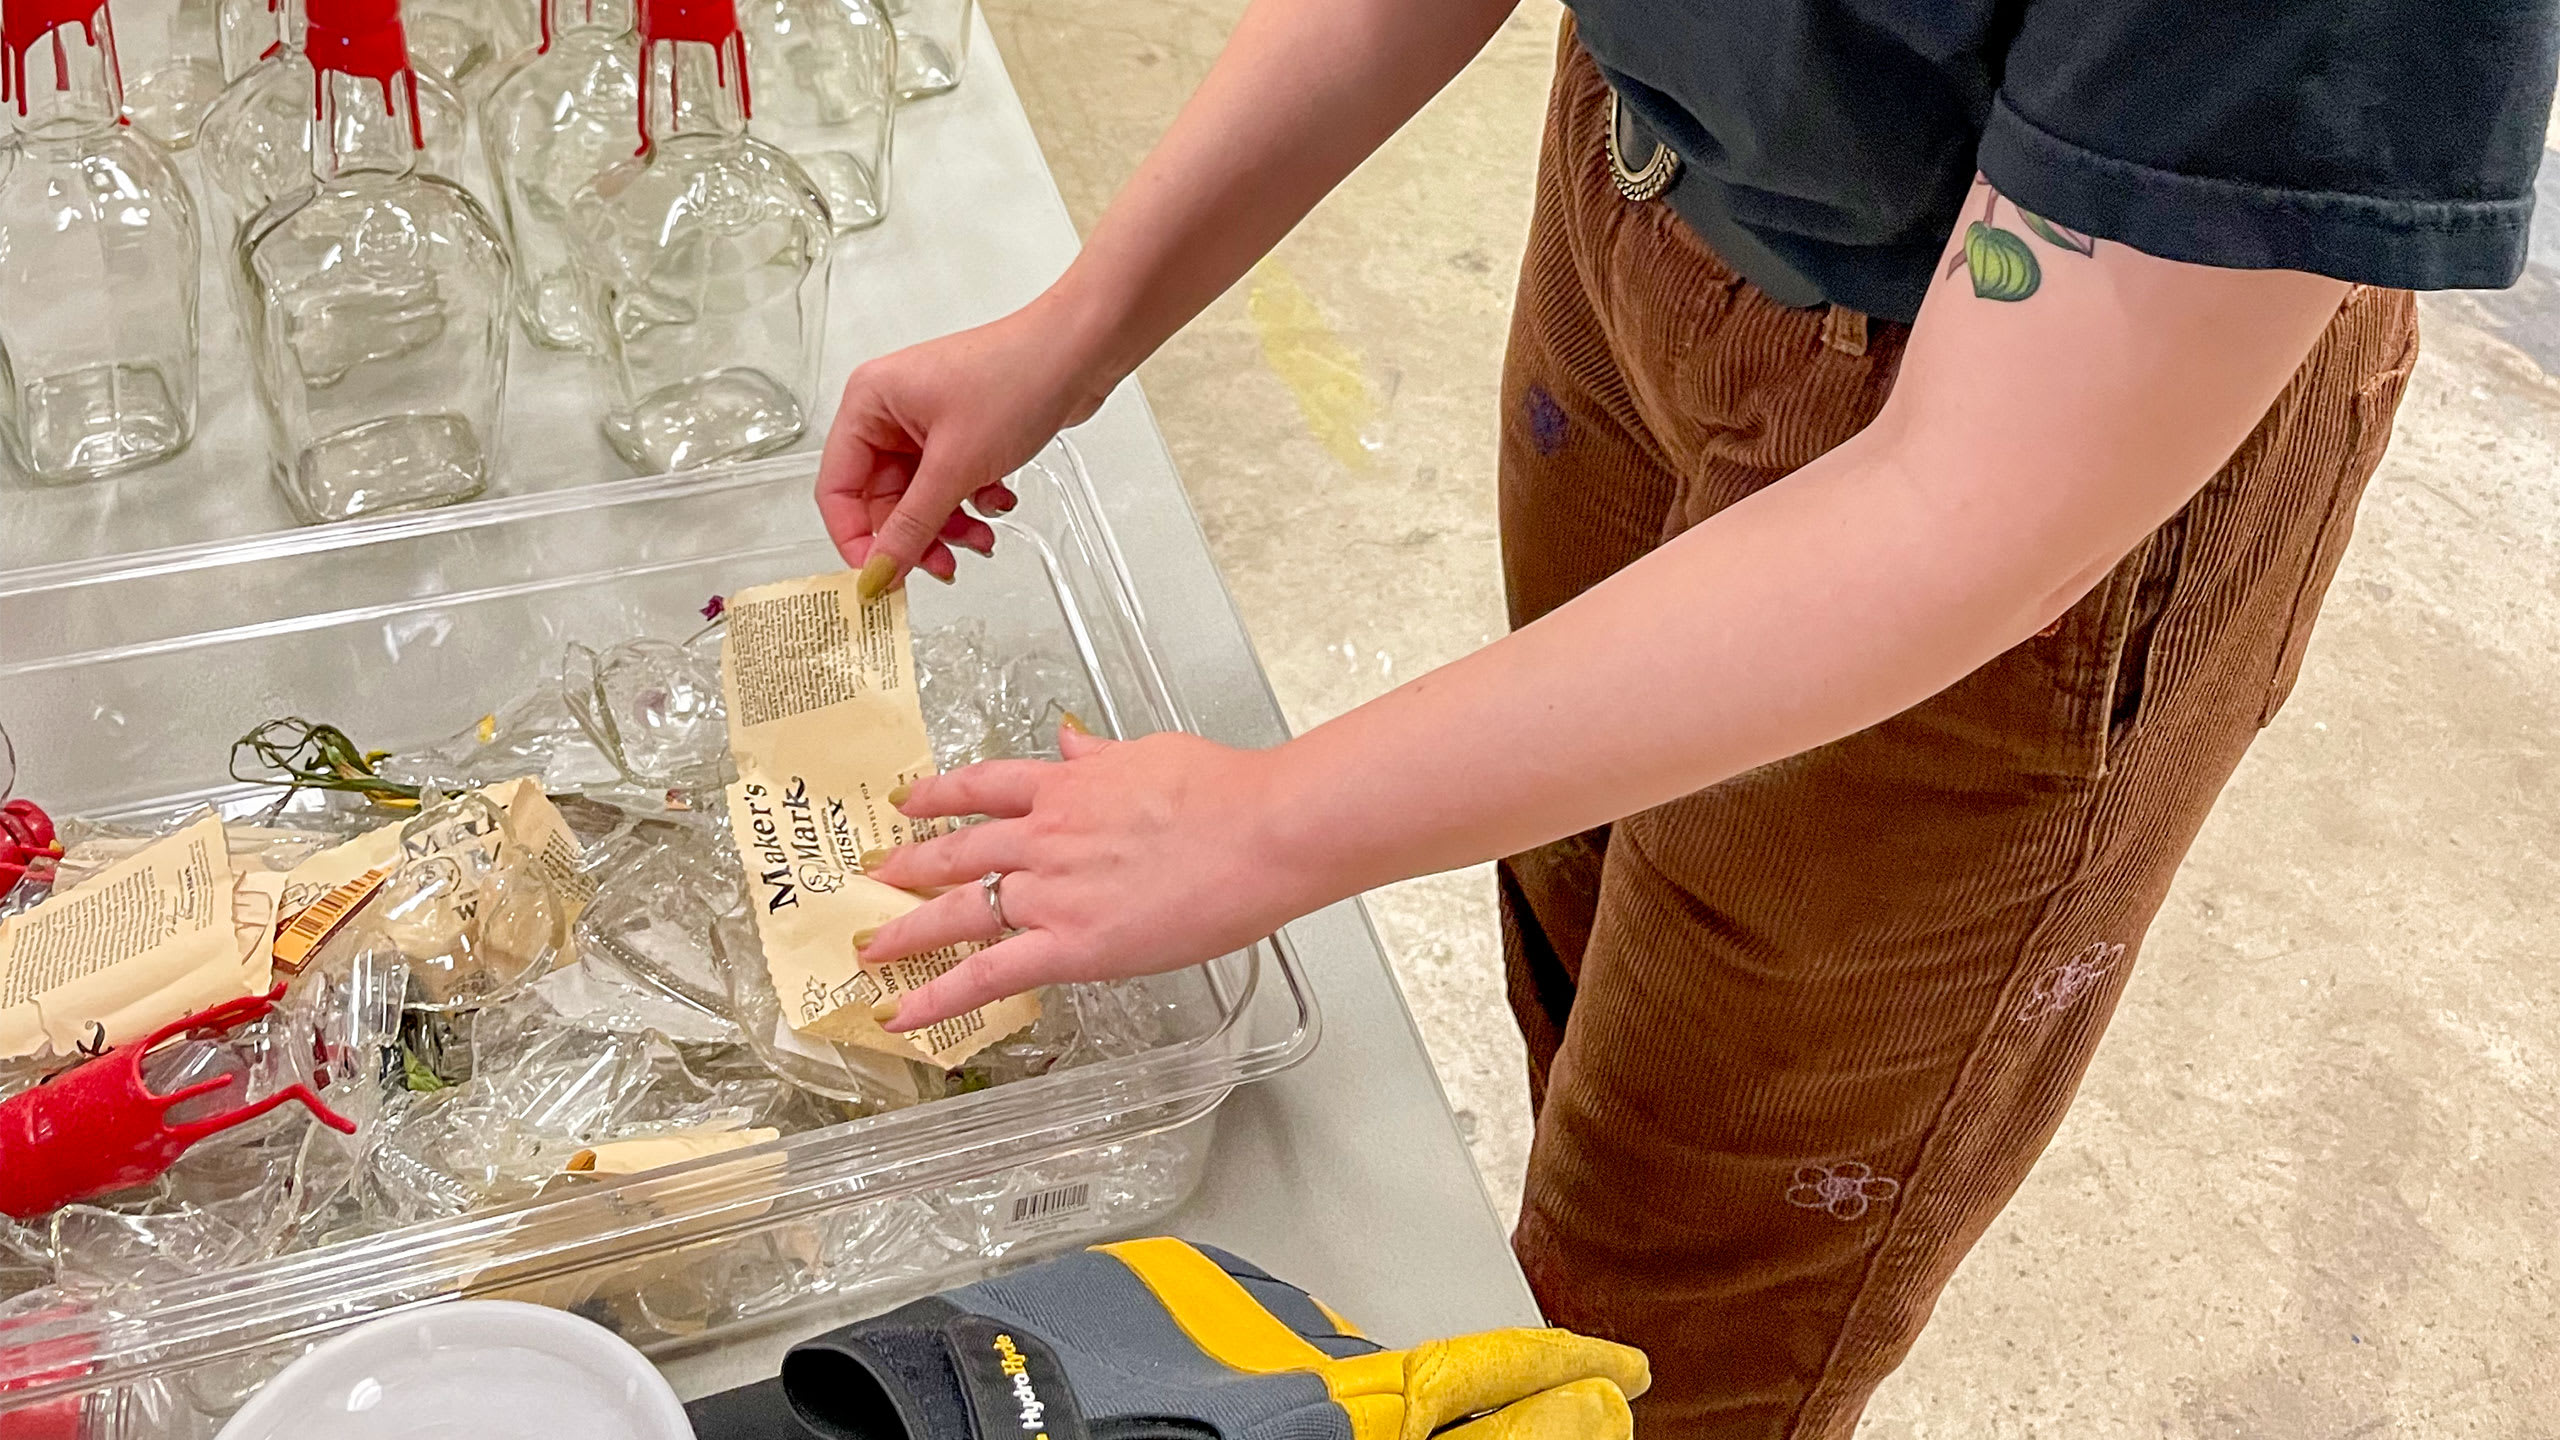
[[2376, 401], [2157, 576], [2054, 707]]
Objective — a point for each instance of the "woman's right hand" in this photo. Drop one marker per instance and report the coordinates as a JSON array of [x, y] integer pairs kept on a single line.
[[928, 427]]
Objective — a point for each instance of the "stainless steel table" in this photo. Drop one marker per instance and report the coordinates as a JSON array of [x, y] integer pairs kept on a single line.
[[1347, 1174]]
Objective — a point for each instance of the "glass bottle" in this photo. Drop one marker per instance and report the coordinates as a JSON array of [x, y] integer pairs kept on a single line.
[[244, 33], [558, 121], [98, 259], [704, 259], [379, 296], [829, 96], [933, 44], [257, 138], [468, 45], [175, 69]]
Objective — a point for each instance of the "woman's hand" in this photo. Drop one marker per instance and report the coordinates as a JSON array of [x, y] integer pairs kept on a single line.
[[1128, 858], [935, 424]]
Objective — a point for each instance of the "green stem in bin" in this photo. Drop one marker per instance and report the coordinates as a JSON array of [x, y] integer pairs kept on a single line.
[[418, 1075], [307, 755]]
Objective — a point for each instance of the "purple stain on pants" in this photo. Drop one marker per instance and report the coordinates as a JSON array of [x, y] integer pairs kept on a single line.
[[1546, 420]]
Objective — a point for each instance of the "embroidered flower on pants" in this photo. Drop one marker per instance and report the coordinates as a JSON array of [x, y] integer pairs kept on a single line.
[[1546, 420], [1845, 1188], [2059, 988]]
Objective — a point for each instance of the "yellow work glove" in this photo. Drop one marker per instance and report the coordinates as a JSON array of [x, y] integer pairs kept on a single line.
[[1160, 1340]]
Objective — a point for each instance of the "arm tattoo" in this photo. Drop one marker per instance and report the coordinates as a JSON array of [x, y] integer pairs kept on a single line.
[[2003, 264]]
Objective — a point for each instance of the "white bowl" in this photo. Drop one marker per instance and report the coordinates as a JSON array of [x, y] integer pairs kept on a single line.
[[469, 1370]]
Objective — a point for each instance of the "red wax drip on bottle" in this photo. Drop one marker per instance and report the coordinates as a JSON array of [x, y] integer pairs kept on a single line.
[[24, 22], [362, 39], [586, 7], [698, 22]]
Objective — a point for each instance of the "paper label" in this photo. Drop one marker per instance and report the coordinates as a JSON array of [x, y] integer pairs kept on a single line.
[[314, 923], [537, 824], [311, 881], [568, 1256], [155, 937], [656, 1152], [824, 723], [324, 892], [893, 1075]]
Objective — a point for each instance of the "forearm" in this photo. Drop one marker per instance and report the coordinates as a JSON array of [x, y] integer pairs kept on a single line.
[[1303, 92], [1954, 527], [1809, 611]]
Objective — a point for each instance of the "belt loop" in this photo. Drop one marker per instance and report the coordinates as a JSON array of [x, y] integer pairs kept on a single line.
[[1845, 330]]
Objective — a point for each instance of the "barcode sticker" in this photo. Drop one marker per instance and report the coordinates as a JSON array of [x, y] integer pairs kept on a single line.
[[1044, 1211], [311, 929]]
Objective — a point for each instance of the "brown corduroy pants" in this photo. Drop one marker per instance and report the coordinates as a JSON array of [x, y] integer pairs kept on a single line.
[[1797, 1038]]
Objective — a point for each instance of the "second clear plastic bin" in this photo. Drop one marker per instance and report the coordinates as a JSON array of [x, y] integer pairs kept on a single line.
[[124, 682]]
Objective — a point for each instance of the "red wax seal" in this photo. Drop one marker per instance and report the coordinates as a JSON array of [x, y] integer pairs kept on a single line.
[[26, 836], [362, 39], [693, 22], [98, 1127], [24, 22]]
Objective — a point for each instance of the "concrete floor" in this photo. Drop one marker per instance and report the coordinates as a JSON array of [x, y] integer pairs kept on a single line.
[[2312, 1183]]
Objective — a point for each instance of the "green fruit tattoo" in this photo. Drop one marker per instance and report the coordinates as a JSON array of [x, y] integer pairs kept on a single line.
[[2058, 236], [2002, 266]]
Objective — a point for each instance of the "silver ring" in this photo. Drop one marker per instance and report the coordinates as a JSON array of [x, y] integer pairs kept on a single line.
[[991, 885]]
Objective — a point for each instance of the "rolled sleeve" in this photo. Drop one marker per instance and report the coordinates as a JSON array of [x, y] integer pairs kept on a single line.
[[2387, 142]]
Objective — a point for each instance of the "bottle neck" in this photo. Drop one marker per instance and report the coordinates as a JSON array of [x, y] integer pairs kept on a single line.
[[568, 17], [368, 125], [691, 88], [58, 69]]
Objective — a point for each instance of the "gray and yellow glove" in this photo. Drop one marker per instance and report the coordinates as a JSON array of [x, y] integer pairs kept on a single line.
[[1159, 1340]]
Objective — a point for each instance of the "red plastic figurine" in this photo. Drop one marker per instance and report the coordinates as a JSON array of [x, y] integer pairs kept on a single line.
[[97, 1128], [26, 836]]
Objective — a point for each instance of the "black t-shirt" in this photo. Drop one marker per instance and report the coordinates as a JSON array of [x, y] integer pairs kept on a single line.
[[1828, 144]]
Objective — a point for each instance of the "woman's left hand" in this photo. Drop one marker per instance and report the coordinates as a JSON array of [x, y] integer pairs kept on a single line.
[[1127, 858]]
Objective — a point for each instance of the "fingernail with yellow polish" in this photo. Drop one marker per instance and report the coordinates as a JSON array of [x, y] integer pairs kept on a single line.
[[885, 1011], [877, 572], [862, 938], [1071, 721], [899, 792], [871, 859]]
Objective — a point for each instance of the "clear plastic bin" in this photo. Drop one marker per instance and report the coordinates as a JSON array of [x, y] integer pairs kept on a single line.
[[124, 682]]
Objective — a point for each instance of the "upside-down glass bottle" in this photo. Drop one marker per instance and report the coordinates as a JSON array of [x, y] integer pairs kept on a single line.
[[827, 92], [704, 260], [561, 119], [98, 258], [379, 296], [257, 139]]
